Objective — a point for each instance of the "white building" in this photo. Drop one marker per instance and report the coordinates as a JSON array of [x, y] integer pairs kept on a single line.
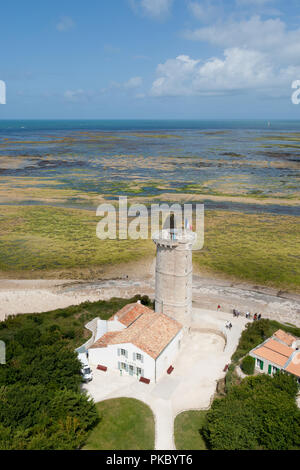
[[136, 341], [278, 353]]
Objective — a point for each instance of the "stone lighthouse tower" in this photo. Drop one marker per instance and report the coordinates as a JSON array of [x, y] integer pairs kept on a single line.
[[174, 274]]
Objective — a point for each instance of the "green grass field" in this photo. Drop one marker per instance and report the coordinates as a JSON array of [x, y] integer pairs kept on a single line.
[[46, 238], [42, 241], [263, 249], [126, 424], [187, 428]]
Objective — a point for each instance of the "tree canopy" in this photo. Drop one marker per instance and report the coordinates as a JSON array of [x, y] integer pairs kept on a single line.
[[260, 413]]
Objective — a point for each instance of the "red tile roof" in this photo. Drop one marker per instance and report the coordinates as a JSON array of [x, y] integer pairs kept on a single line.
[[151, 332], [284, 337], [105, 340], [294, 365], [130, 313], [272, 356], [275, 352], [280, 354], [279, 347]]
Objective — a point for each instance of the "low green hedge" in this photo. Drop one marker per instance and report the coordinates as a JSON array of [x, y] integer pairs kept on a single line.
[[248, 365]]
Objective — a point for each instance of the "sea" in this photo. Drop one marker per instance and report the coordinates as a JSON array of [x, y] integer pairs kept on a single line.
[[256, 158]]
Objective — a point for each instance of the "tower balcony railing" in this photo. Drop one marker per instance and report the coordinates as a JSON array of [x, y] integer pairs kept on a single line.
[[174, 236]]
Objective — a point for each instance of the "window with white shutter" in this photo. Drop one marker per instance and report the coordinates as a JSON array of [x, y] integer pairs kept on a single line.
[[139, 357]]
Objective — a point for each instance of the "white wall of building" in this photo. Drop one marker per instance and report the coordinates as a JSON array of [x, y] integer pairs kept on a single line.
[[103, 356], [111, 358], [266, 365], [168, 356], [104, 326], [115, 325], [101, 329]]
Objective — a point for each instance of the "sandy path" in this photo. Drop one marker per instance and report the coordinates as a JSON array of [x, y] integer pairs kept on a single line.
[[41, 296], [208, 293], [17, 297]]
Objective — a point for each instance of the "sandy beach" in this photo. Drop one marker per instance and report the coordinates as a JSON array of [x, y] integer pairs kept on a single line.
[[36, 296]]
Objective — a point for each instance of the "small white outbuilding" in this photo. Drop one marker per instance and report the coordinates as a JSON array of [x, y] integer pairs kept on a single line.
[[137, 341]]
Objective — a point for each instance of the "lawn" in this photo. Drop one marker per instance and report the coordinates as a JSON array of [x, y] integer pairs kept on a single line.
[[126, 424], [187, 428]]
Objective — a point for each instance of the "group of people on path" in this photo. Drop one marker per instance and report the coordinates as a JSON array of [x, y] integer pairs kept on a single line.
[[248, 315], [236, 314]]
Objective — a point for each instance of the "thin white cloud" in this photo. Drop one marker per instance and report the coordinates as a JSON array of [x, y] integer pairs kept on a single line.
[[206, 10], [253, 2], [140, 96], [75, 96], [134, 82], [259, 6], [270, 36], [157, 9], [66, 23], [141, 57]]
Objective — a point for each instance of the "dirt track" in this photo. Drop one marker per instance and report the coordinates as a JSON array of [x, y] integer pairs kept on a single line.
[[40, 296]]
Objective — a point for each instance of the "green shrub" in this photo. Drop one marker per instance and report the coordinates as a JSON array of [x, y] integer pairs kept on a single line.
[[145, 300], [248, 365], [69, 334], [231, 378]]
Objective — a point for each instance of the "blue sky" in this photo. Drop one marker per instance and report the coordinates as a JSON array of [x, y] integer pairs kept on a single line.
[[118, 59]]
